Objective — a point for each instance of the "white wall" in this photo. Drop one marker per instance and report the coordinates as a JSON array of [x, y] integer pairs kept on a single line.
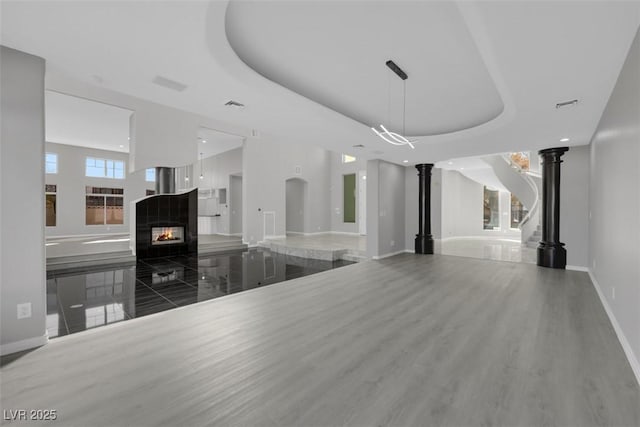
[[411, 205], [266, 166], [338, 170], [462, 209], [22, 255], [162, 136], [385, 208], [574, 205], [71, 193], [614, 203]]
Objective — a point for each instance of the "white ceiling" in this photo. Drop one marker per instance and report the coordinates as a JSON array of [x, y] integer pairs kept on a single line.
[[535, 53], [475, 169], [76, 121], [448, 89]]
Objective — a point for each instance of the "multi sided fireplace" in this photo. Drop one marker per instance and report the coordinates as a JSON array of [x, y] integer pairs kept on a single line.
[[166, 225], [167, 235]]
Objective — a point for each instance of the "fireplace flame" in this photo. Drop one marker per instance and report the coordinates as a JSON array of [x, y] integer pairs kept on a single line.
[[166, 234]]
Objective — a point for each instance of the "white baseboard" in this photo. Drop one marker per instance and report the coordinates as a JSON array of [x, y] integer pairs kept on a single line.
[[391, 254], [628, 351], [577, 268], [88, 235], [500, 237], [16, 346], [321, 233]]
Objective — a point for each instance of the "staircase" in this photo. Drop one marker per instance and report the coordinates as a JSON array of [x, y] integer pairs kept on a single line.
[[526, 187], [535, 238]]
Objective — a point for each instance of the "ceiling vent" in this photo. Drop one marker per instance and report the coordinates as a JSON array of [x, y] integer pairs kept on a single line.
[[572, 103], [169, 84], [358, 146], [234, 104]]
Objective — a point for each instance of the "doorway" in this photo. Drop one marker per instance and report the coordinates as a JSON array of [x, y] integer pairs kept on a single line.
[[362, 203], [235, 205], [296, 206]]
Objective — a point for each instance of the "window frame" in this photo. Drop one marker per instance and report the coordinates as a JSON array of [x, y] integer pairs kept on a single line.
[[346, 158], [147, 173], [105, 205], [107, 166], [46, 162]]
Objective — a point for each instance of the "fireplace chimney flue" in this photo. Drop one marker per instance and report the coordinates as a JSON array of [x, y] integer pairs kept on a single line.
[[165, 180]]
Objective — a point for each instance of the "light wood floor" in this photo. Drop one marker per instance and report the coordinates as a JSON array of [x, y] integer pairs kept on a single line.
[[409, 340]]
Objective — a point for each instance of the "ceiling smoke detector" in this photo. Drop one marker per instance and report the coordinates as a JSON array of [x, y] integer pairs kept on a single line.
[[572, 103], [234, 104]]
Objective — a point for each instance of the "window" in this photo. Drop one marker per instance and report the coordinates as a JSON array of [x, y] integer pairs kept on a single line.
[[50, 204], [349, 197], [104, 206], [150, 175], [491, 209], [347, 158], [51, 163], [517, 212], [104, 168]]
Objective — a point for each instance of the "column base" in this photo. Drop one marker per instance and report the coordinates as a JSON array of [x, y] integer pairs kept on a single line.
[[552, 255], [424, 244]]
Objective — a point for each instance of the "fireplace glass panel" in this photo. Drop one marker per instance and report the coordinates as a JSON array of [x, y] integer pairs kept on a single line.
[[167, 235]]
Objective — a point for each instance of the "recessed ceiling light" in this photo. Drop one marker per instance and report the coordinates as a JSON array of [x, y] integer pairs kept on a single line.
[[564, 140], [364, 176], [405, 161], [121, 146], [204, 141], [461, 169], [450, 163]]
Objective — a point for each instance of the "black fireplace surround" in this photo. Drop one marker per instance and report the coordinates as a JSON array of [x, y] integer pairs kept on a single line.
[[167, 210]]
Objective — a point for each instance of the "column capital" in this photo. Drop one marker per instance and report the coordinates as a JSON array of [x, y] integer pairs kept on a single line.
[[424, 168], [553, 154]]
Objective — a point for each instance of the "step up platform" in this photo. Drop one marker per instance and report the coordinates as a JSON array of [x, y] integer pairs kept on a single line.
[[325, 247]]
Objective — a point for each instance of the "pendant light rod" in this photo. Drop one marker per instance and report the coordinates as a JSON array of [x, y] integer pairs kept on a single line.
[[397, 70], [386, 135]]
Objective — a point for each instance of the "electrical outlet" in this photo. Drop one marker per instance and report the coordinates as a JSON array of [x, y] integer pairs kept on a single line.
[[393, 243], [24, 310]]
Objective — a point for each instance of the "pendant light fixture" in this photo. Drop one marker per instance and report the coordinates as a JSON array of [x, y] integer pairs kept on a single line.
[[393, 137], [201, 170]]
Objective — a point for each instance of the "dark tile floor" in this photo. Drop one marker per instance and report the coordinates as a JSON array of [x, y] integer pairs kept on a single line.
[[93, 297]]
